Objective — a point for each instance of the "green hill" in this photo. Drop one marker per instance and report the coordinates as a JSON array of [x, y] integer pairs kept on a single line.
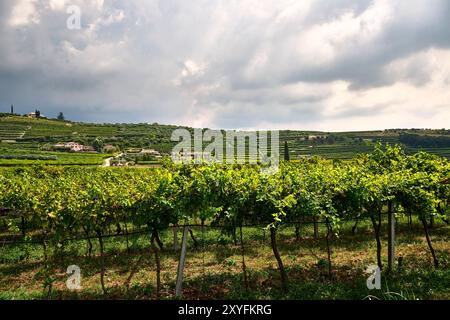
[[21, 135]]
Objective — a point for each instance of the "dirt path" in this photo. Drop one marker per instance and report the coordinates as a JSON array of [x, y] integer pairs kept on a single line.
[[107, 161]]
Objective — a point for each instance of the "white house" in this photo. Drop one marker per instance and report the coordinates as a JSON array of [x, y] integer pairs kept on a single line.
[[33, 115], [73, 146], [206, 156], [152, 152]]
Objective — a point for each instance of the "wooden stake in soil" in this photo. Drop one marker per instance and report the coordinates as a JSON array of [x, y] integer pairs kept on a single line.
[[328, 247], [155, 248], [391, 237], [179, 285]]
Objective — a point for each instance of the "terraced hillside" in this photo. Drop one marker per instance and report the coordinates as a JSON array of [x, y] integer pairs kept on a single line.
[[21, 135], [12, 131]]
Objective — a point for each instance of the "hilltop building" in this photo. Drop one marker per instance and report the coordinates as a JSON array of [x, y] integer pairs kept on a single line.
[[35, 115]]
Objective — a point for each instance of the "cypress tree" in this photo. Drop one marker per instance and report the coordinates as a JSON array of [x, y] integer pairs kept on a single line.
[[286, 152]]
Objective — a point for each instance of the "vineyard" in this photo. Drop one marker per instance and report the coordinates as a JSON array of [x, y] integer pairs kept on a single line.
[[46, 212], [26, 137]]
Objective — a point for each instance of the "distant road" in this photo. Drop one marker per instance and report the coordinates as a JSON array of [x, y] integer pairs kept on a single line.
[[107, 162]]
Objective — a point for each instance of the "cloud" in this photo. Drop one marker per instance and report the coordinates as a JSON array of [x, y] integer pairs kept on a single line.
[[23, 13], [330, 65]]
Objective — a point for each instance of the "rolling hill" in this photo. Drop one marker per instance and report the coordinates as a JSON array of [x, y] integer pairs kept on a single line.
[[20, 135]]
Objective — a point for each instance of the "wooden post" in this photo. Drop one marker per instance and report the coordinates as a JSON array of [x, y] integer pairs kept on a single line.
[[391, 237], [175, 238], [179, 285], [316, 228]]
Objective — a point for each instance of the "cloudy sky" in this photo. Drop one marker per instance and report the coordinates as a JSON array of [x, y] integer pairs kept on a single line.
[[324, 65]]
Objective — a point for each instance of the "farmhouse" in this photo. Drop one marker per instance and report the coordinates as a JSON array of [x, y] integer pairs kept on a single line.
[[151, 152], [192, 155], [35, 116], [73, 146], [314, 137], [109, 148]]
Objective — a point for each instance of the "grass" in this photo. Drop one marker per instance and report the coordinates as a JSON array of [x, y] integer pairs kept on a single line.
[[213, 271]]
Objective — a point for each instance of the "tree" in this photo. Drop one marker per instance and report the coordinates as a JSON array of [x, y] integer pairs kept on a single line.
[[12, 109], [286, 151], [37, 113], [331, 139], [97, 145], [60, 116]]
